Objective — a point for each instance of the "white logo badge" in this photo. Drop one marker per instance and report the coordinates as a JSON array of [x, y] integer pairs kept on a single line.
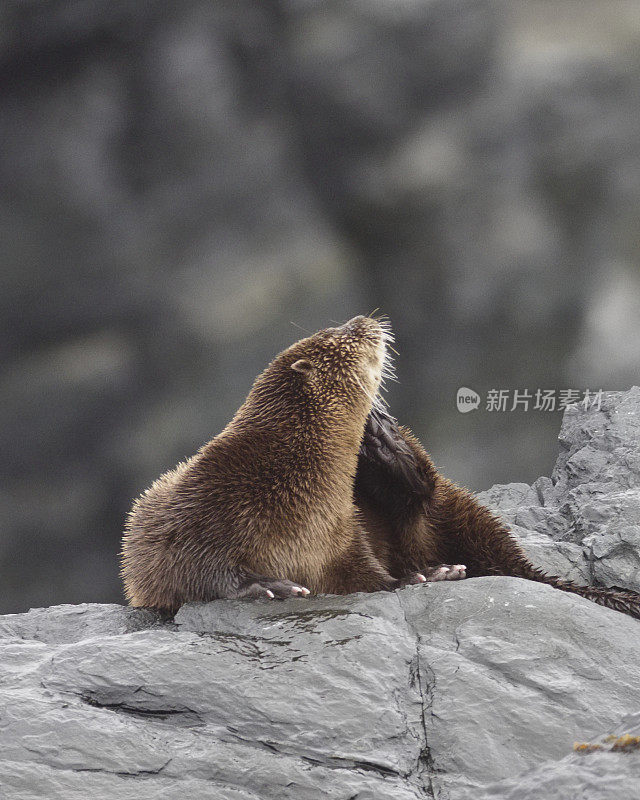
[[467, 400]]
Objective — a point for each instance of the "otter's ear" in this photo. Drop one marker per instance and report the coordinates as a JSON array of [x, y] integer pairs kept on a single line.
[[303, 366]]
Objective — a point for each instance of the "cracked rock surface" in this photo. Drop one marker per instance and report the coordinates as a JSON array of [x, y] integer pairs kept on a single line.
[[466, 690], [584, 522]]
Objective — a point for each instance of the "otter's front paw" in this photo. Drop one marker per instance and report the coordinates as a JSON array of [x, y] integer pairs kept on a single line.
[[446, 572], [268, 589]]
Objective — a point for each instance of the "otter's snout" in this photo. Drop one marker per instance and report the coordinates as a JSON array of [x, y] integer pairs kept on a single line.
[[360, 324], [355, 322]]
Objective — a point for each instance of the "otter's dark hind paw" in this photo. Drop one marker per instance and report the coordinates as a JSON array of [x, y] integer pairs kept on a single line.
[[446, 572], [268, 589], [384, 449]]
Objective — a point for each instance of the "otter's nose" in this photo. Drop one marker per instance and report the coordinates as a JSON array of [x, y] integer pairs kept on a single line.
[[354, 323]]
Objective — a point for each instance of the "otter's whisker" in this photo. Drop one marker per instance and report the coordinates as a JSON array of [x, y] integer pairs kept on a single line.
[[377, 401]]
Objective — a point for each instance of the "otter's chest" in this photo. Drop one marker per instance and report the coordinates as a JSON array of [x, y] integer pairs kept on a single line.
[[300, 549]]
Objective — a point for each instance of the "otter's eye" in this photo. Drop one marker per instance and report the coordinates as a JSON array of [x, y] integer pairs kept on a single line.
[[303, 365]]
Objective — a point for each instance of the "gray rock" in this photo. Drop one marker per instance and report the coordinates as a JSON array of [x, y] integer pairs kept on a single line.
[[236, 700], [443, 689], [584, 522], [554, 557], [598, 774], [513, 676], [601, 445], [510, 496], [66, 624]]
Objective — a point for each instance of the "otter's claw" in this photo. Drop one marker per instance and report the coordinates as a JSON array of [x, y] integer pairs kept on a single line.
[[411, 579], [266, 588], [447, 572]]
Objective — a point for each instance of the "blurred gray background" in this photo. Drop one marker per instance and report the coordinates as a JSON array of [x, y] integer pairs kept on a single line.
[[182, 180]]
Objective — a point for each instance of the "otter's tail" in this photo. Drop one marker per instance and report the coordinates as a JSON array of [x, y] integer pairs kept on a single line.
[[628, 602]]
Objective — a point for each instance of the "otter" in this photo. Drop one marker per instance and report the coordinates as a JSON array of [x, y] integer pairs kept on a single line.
[[314, 488], [266, 508], [428, 518]]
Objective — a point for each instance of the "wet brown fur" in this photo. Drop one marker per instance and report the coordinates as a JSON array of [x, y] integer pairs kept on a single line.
[[270, 498], [292, 493], [441, 522]]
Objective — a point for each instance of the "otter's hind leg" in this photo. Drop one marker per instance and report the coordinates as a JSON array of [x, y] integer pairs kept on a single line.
[[490, 549], [358, 569], [475, 535]]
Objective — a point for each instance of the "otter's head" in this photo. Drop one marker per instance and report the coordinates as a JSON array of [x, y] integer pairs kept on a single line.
[[333, 375]]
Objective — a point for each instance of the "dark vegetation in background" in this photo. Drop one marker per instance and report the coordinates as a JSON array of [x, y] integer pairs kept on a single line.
[[180, 181]]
